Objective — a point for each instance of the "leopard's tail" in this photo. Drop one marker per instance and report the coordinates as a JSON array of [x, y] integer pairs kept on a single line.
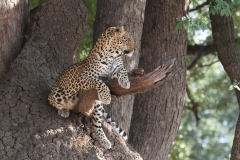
[[114, 125]]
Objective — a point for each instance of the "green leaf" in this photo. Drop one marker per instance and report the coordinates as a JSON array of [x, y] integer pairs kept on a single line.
[[231, 87], [220, 7], [192, 24]]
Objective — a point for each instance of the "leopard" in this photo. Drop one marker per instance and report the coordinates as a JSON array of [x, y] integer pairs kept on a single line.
[[104, 61]]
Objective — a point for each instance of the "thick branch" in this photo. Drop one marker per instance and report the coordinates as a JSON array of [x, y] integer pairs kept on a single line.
[[145, 82], [13, 22], [209, 64], [139, 84], [208, 49], [205, 50], [199, 51]]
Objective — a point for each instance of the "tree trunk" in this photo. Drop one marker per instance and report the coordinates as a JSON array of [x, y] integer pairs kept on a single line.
[[129, 14], [30, 127], [13, 23], [229, 56], [157, 113]]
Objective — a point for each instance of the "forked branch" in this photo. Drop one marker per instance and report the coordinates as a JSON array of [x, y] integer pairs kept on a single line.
[[138, 83], [145, 82]]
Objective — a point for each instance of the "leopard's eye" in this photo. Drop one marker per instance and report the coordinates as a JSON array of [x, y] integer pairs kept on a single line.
[[126, 51]]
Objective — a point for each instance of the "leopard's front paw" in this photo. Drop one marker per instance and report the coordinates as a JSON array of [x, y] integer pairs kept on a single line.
[[64, 113], [104, 96], [124, 82]]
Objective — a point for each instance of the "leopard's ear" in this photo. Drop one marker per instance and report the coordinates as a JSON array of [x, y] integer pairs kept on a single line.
[[120, 29]]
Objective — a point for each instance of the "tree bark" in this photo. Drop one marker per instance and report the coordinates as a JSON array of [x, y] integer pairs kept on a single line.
[[229, 56], [129, 14], [13, 23], [157, 113], [30, 127]]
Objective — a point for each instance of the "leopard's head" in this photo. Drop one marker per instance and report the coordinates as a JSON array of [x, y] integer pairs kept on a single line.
[[117, 39], [125, 41]]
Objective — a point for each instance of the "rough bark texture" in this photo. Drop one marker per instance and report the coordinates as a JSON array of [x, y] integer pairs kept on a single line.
[[13, 22], [157, 113], [129, 14], [229, 56], [30, 127]]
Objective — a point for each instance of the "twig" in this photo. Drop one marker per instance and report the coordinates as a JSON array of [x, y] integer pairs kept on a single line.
[[195, 60], [208, 65], [200, 6], [194, 107]]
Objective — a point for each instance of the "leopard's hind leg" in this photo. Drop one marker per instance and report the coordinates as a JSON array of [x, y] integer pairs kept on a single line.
[[58, 99], [97, 125]]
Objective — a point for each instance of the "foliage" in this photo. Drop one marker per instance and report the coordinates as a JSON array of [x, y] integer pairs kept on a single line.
[[208, 84], [234, 85], [217, 106], [216, 7], [235, 5], [192, 24], [86, 44], [35, 3], [220, 7], [223, 8], [236, 19]]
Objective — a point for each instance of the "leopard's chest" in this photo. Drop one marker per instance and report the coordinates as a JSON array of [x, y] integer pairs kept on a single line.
[[106, 67]]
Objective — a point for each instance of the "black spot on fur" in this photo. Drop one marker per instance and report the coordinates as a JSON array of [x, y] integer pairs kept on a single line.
[[104, 63]]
